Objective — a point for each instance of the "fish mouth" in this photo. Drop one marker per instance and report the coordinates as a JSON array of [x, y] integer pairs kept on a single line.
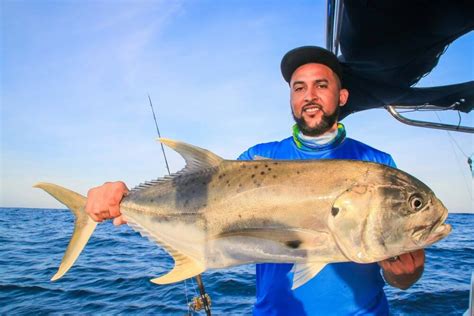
[[429, 234], [439, 233]]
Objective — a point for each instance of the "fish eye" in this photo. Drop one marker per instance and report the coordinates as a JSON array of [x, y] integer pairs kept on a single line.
[[416, 202]]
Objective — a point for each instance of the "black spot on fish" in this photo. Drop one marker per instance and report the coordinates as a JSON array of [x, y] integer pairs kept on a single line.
[[262, 173], [256, 167], [334, 211], [253, 176], [269, 169], [293, 243], [297, 172], [274, 176], [240, 185], [240, 216], [266, 166]]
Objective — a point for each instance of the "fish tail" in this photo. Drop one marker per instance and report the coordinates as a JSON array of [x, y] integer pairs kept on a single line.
[[84, 226]]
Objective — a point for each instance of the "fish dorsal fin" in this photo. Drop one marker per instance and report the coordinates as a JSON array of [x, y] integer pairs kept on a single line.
[[184, 268], [196, 158], [303, 272]]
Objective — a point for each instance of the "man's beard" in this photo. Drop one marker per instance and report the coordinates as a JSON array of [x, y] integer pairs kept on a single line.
[[327, 122]]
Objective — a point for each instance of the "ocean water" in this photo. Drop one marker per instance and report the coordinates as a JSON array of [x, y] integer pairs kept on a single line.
[[112, 274]]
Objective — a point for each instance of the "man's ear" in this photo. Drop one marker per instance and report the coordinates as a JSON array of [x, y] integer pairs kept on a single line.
[[343, 96]]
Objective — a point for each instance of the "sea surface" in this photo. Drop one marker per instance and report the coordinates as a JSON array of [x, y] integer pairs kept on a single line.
[[112, 274]]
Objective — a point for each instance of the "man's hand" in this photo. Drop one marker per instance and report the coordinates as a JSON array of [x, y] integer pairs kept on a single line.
[[103, 202], [404, 270]]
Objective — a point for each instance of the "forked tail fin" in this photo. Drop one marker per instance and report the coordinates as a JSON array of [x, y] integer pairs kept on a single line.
[[84, 226]]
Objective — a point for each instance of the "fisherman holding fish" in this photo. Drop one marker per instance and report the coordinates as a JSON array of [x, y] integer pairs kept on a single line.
[[315, 79]]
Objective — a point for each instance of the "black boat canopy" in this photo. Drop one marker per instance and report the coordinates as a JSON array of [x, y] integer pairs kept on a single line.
[[388, 46]]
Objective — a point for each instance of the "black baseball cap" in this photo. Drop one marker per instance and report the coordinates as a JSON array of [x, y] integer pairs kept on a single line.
[[308, 54]]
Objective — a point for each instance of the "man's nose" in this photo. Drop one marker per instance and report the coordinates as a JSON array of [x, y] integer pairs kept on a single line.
[[311, 95]]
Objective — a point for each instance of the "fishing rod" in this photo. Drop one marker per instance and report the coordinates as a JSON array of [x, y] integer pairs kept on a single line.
[[204, 300], [159, 135]]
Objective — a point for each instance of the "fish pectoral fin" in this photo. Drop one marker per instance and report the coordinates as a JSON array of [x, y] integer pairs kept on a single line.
[[297, 239], [303, 272], [184, 268]]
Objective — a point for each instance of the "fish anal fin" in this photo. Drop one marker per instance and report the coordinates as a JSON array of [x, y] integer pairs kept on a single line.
[[303, 272], [184, 268], [186, 264]]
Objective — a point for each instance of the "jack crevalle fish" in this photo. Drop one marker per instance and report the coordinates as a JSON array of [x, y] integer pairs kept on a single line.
[[218, 213]]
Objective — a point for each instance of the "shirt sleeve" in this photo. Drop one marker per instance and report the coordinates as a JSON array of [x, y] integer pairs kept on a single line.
[[246, 155], [390, 162]]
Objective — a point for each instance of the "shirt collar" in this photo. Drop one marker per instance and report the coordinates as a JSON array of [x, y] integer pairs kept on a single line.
[[323, 142]]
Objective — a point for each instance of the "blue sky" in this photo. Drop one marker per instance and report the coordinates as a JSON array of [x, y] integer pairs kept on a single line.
[[76, 74]]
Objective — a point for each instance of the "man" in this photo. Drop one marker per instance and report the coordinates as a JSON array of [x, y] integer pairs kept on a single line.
[[316, 95]]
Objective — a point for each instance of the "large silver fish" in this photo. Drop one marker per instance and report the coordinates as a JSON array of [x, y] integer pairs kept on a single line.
[[218, 213]]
